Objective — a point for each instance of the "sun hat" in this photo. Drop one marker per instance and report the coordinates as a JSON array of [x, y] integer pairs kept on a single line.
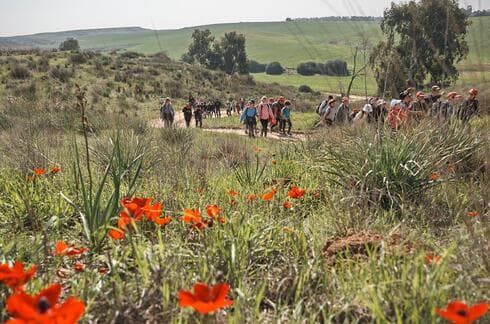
[[420, 94], [395, 102], [436, 88], [367, 108], [473, 92]]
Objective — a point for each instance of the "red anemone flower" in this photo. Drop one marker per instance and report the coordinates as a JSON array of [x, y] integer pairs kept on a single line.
[[213, 210], [61, 248], [116, 234], [287, 205], [192, 216], [79, 267], [251, 197], [162, 221], [55, 170], [152, 212], [15, 277], [124, 220], [269, 195], [232, 193], [39, 171], [44, 307], [472, 213], [432, 259], [434, 176], [459, 313], [205, 299], [296, 192], [135, 206]]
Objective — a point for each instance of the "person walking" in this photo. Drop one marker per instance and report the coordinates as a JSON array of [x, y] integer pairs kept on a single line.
[[397, 116], [249, 116], [434, 97], [276, 109], [469, 107], [198, 115], [187, 114], [286, 118], [167, 113], [265, 115], [445, 110], [343, 112], [330, 112], [418, 108]]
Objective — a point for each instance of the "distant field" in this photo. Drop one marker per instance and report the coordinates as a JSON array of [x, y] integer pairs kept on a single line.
[[290, 43]]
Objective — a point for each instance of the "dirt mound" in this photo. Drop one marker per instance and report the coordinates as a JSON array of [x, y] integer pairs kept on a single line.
[[358, 244]]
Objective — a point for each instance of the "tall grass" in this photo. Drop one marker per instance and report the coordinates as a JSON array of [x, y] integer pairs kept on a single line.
[[389, 170]]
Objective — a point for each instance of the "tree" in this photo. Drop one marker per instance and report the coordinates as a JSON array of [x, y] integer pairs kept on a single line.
[[274, 68], [234, 54], [357, 71], [228, 54], [423, 39], [308, 69], [200, 47], [70, 44]]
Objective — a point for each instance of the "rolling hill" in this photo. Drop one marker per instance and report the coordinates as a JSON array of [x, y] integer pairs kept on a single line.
[[289, 42]]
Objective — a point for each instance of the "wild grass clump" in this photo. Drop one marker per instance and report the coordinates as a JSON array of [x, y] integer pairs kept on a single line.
[[388, 170]]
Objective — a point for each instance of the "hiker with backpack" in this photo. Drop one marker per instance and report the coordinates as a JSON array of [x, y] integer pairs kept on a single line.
[[445, 110], [328, 116], [322, 107], [276, 109], [418, 107], [249, 116], [187, 114], [286, 118], [469, 107], [167, 113], [266, 115], [343, 112]]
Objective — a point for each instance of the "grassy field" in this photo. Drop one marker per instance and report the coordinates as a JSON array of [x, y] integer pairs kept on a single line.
[[355, 224]]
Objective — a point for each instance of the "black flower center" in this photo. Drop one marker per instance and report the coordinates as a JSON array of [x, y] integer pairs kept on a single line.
[[43, 305], [462, 313]]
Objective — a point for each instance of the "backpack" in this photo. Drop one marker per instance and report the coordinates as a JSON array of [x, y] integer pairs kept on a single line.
[[320, 107]]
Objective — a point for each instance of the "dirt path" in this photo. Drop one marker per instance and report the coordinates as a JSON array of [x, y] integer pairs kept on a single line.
[[179, 122]]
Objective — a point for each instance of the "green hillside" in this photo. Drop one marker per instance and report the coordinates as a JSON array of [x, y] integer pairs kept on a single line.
[[290, 43], [287, 42]]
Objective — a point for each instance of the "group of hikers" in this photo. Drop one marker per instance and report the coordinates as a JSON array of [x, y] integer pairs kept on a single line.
[[411, 106], [268, 112], [276, 114]]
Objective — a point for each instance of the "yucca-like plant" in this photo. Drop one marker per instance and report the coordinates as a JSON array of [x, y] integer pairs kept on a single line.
[[388, 169]]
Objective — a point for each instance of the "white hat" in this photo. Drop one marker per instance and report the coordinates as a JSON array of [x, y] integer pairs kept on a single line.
[[367, 108], [395, 102]]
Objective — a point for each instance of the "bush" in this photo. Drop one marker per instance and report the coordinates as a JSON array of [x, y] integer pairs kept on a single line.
[[131, 55], [305, 89], [256, 67], [70, 44], [274, 68], [62, 74], [20, 72], [309, 68], [336, 68], [77, 58]]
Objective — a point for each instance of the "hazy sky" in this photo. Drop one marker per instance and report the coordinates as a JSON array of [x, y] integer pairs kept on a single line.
[[18, 17]]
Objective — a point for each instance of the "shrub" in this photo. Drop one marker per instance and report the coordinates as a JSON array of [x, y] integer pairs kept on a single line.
[[256, 67], [274, 68], [174, 89], [20, 72], [305, 89], [308, 68], [131, 55], [70, 44], [336, 68], [77, 58], [62, 74]]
